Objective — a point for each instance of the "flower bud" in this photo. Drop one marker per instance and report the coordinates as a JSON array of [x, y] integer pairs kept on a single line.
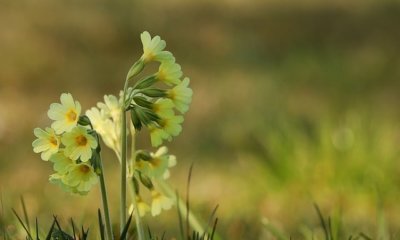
[[84, 120], [154, 92], [136, 68], [146, 82]]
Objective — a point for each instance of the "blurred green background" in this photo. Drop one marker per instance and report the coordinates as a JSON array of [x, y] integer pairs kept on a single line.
[[295, 102]]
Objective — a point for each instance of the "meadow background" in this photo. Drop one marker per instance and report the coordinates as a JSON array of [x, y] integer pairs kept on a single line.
[[295, 102]]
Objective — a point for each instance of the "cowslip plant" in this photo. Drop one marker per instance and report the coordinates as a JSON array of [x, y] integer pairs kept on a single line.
[[156, 102]]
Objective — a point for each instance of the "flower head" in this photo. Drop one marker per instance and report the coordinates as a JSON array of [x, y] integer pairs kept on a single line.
[[65, 115], [171, 124], [153, 49], [158, 164], [160, 202], [47, 142], [111, 107], [81, 177], [163, 107], [79, 144], [181, 95], [157, 135], [169, 73], [61, 162], [105, 127], [141, 205]]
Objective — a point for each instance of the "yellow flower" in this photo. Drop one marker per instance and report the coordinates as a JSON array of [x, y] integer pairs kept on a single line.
[[171, 124], [105, 127], [158, 165], [65, 115], [169, 73], [160, 202], [157, 135], [61, 162], [47, 142], [79, 144], [111, 107], [81, 177], [181, 95], [141, 205], [163, 107], [153, 49]]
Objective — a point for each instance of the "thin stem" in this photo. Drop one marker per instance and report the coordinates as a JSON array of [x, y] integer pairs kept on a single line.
[[193, 221], [138, 220], [123, 161], [132, 188], [105, 201]]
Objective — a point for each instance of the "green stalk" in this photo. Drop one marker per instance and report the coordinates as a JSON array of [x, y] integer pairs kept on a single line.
[[193, 221], [105, 201], [133, 190], [137, 214], [123, 160]]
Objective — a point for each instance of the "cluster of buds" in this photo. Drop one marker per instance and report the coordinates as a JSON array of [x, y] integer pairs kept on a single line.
[[71, 145]]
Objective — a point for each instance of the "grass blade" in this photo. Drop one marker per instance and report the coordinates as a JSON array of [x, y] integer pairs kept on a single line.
[[37, 229], [25, 213], [181, 230], [187, 200], [22, 224], [321, 219], [214, 229], [210, 220], [48, 237], [126, 227]]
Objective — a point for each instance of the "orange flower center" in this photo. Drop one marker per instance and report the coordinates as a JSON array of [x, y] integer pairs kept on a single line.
[[81, 140], [53, 141], [71, 115], [155, 162], [84, 168]]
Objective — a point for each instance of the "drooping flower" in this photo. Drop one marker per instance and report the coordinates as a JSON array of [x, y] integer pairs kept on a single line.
[[47, 142], [79, 144], [153, 49], [181, 95], [111, 107], [141, 205], [157, 135], [61, 162], [57, 179], [158, 164], [105, 127], [82, 177], [65, 115], [163, 107], [159, 202], [171, 124], [169, 73]]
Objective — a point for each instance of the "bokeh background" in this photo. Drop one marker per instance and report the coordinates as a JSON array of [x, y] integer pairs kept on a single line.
[[295, 102]]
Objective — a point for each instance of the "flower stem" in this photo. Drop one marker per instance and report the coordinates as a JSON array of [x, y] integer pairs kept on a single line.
[[105, 202], [123, 161], [193, 221], [139, 227], [138, 220]]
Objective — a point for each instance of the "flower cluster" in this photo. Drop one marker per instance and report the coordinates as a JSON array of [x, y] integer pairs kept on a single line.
[[106, 121], [158, 102], [159, 109], [70, 145], [151, 166]]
